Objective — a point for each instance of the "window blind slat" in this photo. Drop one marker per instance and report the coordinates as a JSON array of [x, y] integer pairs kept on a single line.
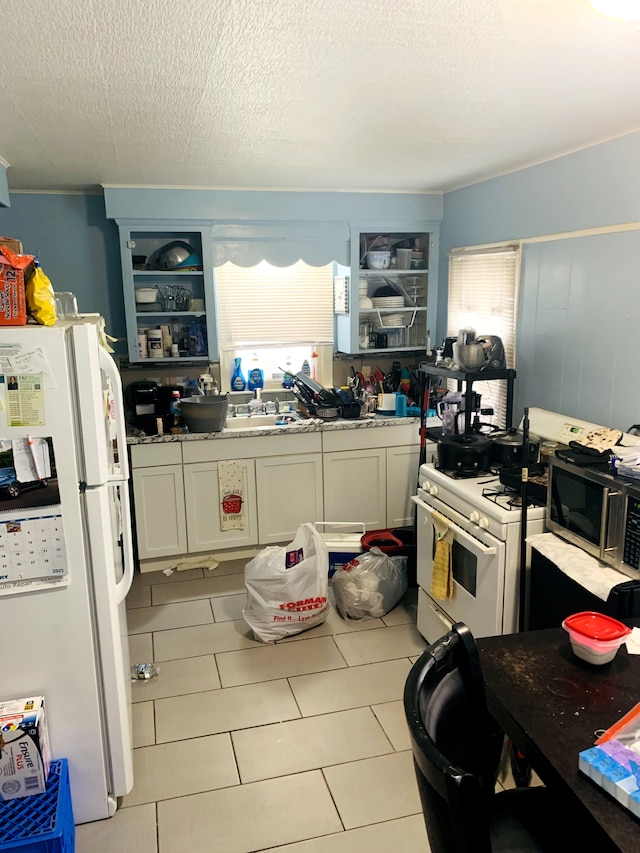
[[483, 295], [265, 304]]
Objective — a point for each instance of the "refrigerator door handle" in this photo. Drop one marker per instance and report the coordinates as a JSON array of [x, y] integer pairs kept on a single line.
[[109, 367], [124, 584]]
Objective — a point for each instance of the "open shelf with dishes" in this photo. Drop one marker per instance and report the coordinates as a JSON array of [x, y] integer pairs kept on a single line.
[[167, 274], [386, 299]]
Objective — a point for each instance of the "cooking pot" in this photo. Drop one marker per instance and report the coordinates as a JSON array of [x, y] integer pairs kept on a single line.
[[464, 453], [506, 447]]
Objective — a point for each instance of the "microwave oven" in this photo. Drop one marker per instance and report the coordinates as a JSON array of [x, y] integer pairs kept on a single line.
[[596, 511]]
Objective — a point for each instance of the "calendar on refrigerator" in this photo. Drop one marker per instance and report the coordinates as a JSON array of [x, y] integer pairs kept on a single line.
[[32, 542]]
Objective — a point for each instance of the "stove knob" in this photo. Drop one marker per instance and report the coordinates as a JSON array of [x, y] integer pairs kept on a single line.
[[433, 490], [483, 522], [474, 516]]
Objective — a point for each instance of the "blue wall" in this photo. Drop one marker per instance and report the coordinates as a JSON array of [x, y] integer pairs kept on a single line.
[[577, 349], [579, 298], [78, 248]]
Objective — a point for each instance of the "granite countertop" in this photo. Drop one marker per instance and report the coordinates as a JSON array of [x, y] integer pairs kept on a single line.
[[308, 425]]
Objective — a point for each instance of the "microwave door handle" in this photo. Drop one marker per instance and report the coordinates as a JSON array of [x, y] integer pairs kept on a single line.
[[485, 549], [557, 503], [607, 506]]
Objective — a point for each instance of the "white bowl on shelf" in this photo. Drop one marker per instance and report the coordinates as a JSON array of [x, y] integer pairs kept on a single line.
[[378, 260], [145, 295], [365, 302]]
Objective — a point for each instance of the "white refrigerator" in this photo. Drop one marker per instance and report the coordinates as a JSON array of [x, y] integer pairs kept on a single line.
[[66, 561]]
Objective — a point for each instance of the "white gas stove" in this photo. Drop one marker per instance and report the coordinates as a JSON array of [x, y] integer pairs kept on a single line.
[[485, 520]]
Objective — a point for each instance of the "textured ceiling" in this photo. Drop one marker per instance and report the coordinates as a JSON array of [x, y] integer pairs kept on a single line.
[[324, 94]]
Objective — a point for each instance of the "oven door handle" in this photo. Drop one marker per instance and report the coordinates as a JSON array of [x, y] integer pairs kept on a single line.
[[485, 549]]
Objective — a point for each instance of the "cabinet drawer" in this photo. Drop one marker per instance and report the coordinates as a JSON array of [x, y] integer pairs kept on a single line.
[[367, 437], [217, 449], [148, 455]]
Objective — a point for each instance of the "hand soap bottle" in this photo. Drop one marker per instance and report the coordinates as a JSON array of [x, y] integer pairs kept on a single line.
[[238, 382]]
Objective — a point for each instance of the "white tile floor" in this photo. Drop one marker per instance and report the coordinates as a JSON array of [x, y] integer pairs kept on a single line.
[[298, 747]]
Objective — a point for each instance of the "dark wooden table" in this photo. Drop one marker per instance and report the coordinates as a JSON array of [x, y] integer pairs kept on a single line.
[[550, 704]]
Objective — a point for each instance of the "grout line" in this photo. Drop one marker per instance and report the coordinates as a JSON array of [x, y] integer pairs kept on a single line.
[[155, 806], [333, 800]]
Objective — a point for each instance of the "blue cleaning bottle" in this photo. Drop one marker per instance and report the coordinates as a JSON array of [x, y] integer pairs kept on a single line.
[[238, 382], [256, 375]]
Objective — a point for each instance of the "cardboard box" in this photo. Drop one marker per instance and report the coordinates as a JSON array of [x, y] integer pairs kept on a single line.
[[13, 306], [10, 243], [25, 756]]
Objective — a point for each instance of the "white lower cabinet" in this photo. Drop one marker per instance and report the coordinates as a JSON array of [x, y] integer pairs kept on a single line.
[[355, 486], [202, 500], [158, 494], [289, 492], [289, 479], [402, 481]]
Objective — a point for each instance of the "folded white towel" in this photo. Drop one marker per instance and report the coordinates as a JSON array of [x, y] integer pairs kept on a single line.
[[590, 573]]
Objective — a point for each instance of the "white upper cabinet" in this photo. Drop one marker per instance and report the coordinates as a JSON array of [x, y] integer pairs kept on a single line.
[[383, 300], [167, 274]]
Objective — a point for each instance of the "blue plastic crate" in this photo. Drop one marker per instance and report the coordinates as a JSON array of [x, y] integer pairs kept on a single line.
[[41, 823]]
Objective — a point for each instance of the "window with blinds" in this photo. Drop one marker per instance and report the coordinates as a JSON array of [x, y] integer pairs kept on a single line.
[[276, 313], [483, 294]]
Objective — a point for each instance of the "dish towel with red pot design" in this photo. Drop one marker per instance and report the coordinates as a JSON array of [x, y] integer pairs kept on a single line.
[[231, 489]]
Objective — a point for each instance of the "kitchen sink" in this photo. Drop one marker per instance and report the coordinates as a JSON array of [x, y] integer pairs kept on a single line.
[[255, 421]]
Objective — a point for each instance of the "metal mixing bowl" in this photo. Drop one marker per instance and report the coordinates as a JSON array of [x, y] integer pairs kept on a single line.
[[205, 414]]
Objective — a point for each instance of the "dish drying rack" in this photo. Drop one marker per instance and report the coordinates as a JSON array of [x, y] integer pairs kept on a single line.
[[409, 306]]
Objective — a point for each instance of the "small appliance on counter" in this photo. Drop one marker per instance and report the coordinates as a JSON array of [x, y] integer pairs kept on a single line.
[[142, 398], [473, 353], [149, 403]]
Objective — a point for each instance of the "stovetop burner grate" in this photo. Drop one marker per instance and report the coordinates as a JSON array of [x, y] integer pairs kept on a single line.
[[462, 473], [509, 498]]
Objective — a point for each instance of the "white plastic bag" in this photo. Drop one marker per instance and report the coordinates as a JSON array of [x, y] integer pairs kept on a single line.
[[287, 587], [370, 585]]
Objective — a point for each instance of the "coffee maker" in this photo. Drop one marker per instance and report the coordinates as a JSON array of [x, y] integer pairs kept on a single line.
[[142, 398]]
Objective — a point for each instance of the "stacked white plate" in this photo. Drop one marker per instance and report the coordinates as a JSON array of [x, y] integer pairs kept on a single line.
[[388, 302], [393, 320]]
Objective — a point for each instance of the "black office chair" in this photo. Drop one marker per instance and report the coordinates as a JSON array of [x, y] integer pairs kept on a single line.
[[456, 750]]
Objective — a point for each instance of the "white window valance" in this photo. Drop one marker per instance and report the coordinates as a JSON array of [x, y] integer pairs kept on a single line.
[[281, 244]]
